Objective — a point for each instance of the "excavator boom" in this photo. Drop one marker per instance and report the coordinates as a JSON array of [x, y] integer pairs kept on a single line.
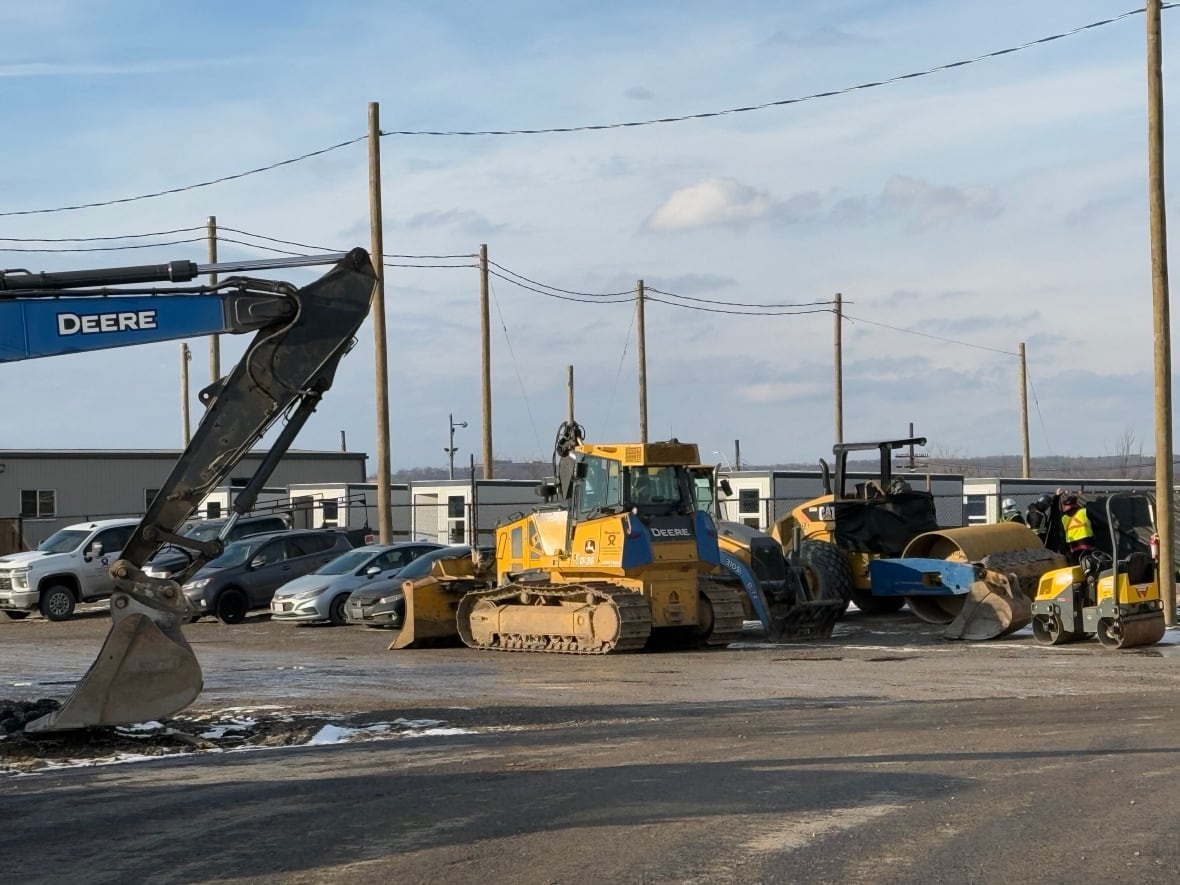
[[146, 669]]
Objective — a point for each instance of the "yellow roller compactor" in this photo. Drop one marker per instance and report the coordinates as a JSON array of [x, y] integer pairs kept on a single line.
[[989, 581], [1117, 598], [618, 555]]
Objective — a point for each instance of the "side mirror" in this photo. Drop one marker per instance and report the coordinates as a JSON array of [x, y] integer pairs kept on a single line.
[[257, 562], [725, 487], [372, 570], [94, 550]]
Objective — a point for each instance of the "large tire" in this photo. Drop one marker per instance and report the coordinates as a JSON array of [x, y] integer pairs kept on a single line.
[[57, 602], [336, 612], [15, 615], [232, 606], [828, 573]]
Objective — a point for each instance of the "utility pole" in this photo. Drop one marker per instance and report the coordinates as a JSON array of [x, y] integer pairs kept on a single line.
[[839, 361], [380, 351], [1026, 460], [185, 356], [486, 352], [214, 340], [450, 450], [737, 454], [642, 333], [1161, 314]]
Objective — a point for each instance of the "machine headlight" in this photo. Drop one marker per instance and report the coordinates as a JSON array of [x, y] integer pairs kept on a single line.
[[309, 594], [20, 579], [198, 584], [391, 598]]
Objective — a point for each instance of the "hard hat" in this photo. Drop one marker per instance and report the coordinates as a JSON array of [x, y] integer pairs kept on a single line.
[[1045, 501], [1009, 504]]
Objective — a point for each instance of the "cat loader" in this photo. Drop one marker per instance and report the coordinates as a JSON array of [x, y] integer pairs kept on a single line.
[[618, 556], [1114, 593], [871, 520]]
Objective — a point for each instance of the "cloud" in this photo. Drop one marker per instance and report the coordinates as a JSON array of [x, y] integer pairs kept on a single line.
[[926, 205], [464, 221], [918, 204], [714, 202]]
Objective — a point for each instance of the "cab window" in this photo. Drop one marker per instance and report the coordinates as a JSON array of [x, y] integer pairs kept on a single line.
[[600, 484]]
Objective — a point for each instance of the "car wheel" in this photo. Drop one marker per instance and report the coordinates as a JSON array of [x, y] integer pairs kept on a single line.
[[57, 602], [231, 607], [15, 615], [336, 613]]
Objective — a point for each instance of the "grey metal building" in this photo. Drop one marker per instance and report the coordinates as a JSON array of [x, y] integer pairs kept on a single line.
[[45, 489]]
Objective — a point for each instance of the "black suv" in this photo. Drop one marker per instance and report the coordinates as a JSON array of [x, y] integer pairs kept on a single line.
[[246, 575], [170, 559]]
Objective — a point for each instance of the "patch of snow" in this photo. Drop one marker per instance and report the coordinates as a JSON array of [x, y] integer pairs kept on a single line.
[[142, 726]]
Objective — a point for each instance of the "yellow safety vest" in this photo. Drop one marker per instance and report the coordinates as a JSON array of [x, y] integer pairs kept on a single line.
[[1077, 526]]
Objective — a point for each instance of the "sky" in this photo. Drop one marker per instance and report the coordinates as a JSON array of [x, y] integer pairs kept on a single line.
[[959, 213]]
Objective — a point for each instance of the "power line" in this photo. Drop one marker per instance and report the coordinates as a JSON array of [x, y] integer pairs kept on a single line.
[[592, 299], [741, 313], [255, 236], [101, 248], [155, 233], [738, 303], [785, 101], [928, 335], [557, 289], [597, 126]]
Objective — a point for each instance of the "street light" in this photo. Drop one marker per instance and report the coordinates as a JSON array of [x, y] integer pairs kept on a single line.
[[451, 450], [728, 466]]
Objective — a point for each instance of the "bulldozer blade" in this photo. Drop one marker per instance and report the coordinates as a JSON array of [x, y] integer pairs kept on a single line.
[[430, 614], [990, 610], [805, 621], [145, 671]]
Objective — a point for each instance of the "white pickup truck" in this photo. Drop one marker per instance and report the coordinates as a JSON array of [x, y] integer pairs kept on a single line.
[[68, 567]]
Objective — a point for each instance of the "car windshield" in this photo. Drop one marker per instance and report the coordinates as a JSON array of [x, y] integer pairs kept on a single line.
[[204, 532], [348, 562], [420, 567], [63, 541], [235, 554]]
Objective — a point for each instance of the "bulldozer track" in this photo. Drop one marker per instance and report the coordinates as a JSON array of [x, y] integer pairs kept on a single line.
[[728, 612], [631, 608]]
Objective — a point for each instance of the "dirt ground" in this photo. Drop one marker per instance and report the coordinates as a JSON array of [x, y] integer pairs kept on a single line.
[[270, 685]]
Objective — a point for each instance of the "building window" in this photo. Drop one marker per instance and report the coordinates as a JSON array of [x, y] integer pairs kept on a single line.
[[455, 506], [976, 507], [149, 495], [331, 513], [458, 532], [38, 503], [747, 500]]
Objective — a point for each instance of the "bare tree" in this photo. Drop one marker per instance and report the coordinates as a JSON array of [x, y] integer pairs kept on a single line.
[[1128, 457]]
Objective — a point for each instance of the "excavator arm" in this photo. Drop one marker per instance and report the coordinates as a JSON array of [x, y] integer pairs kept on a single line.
[[146, 669]]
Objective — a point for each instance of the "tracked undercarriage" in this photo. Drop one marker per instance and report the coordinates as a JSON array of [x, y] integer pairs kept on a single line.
[[590, 618]]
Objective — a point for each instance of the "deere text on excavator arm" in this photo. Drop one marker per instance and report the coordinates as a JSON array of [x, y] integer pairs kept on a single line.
[[146, 669]]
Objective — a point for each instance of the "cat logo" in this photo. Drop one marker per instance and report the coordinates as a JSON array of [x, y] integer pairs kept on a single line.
[[590, 547]]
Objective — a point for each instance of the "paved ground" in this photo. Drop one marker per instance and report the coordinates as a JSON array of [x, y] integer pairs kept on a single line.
[[884, 755]]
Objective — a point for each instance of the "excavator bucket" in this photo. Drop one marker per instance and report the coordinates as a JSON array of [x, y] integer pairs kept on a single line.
[[430, 614], [145, 671]]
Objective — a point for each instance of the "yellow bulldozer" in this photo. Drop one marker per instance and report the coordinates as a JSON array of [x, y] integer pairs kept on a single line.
[[617, 555], [624, 552]]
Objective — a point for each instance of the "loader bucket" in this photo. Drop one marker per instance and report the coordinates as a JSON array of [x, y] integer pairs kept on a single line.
[[1012, 561], [145, 671], [430, 613]]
